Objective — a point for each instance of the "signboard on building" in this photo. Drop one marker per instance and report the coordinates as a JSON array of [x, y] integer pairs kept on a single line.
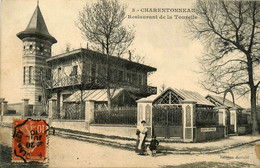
[[212, 129]]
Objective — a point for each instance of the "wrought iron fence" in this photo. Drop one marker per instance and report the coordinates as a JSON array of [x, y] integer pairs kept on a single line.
[[36, 110], [73, 111], [242, 118], [167, 115], [205, 117], [117, 115], [15, 108]]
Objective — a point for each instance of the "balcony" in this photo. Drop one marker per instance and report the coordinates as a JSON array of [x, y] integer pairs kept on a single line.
[[99, 83]]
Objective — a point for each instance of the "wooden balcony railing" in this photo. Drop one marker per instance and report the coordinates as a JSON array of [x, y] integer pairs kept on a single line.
[[98, 82]]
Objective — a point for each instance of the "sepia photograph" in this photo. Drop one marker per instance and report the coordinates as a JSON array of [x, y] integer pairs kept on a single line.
[[130, 83]]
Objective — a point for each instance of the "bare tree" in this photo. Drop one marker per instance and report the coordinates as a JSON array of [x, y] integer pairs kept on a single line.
[[101, 23], [230, 32]]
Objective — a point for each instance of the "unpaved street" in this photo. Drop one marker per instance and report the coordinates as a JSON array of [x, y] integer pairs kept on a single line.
[[75, 153]]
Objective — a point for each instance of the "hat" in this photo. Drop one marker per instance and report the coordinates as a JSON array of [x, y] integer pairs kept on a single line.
[[143, 122]]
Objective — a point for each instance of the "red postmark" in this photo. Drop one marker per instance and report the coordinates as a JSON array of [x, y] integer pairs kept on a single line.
[[29, 140]]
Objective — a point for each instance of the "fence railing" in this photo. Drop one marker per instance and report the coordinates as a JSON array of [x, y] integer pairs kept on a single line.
[[206, 117], [72, 111], [119, 115], [36, 110], [14, 108], [98, 82], [242, 118]]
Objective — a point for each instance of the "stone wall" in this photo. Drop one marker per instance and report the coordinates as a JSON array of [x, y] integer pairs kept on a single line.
[[208, 133], [128, 131], [10, 118], [77, 125]]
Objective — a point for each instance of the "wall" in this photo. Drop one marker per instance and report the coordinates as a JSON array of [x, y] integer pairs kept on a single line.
[[205, 136], [10, 118], [115, 130], [245, 129], [78, 125]]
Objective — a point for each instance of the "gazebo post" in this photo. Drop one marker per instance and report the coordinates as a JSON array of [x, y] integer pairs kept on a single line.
[[188, 108], [222, 118], [144, 112], [233, 118]]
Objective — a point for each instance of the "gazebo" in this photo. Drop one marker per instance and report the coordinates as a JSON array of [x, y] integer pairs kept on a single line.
[[180, 114]]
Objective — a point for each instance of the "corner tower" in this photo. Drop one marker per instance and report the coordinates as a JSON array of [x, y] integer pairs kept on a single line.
[[37, 43]]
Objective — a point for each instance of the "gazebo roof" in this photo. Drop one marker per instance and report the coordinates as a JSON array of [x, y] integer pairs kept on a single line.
[[183, 94], [219, 100]]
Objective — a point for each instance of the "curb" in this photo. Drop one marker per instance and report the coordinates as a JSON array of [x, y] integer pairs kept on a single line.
[[112, 141], [131, 146]]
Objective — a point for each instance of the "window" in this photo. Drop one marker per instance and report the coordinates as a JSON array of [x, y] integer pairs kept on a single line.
[[102, 71], [121, 76], [39, 98], [93, 70], [74, 70], [59, 70], [31, 47], [41, 48], [48, 74], [24, 73], [140, 79], [30, 74], [129, 77], [134, 78]]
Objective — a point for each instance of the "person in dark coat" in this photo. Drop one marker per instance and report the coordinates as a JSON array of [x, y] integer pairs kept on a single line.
[[153, 145]]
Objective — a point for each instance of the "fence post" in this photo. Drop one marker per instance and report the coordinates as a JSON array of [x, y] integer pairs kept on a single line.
[[222, 120], [233, 118], [25, 103], [3, 108], [52, 104], [188, 108], [89, 113]]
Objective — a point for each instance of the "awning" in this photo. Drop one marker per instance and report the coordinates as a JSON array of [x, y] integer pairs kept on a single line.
[[99, 95]]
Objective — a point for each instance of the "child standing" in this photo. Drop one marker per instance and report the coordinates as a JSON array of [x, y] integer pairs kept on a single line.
[[153, 145]]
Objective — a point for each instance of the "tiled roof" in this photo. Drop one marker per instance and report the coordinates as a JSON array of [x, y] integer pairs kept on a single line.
[[37, 27], [95, 54], [184, 94], [227, 102]]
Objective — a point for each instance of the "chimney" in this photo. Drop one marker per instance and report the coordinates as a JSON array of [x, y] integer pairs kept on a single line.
[[130, 55]]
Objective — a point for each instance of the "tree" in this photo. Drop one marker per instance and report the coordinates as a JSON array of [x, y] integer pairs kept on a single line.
[[101, 23], [230, 33]]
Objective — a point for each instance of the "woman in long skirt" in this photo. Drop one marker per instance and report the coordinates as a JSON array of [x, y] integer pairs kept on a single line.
[[141, 132]]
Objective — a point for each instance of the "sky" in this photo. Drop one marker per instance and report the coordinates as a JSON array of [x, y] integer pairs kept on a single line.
[[165, 43]]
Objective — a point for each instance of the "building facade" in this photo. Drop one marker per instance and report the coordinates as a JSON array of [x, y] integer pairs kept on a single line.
[[58, 77], [37, 43]]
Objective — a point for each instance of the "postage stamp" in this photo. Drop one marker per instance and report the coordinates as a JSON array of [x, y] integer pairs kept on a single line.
[[29, 140]]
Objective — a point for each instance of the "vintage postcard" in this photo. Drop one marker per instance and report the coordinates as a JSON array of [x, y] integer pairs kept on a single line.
[[117, 83]]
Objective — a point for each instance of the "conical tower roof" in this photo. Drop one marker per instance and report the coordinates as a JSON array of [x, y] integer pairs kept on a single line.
[[37, 28]]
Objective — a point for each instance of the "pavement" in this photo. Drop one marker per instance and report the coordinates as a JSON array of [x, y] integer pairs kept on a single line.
[[168, 147]]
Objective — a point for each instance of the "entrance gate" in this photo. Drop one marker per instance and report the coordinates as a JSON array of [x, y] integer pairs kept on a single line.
[[167, 121]]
